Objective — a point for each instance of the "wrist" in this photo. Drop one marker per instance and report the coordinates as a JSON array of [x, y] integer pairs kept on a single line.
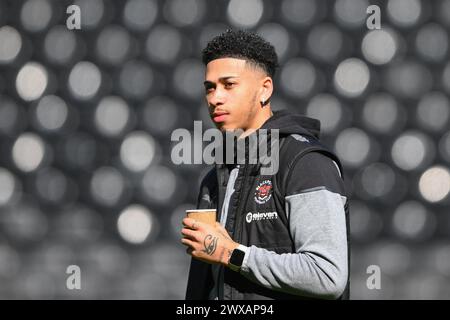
[[237, 257], [228, 251]]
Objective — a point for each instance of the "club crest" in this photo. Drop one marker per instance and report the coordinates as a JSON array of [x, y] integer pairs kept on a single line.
[[263, 191]]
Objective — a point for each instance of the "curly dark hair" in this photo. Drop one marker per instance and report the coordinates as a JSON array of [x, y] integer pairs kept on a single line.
[[243, 45]]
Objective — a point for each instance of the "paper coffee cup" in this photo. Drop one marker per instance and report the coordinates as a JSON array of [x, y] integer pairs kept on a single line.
[[203, 215]]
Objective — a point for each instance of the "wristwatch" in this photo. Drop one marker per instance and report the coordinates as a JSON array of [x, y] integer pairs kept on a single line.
[[237, 258]]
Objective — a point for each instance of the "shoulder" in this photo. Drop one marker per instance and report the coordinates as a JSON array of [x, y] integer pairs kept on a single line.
[[316, 170], [305, 163], [296, 146]]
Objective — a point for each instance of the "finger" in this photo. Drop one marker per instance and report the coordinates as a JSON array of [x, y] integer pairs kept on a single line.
[[188, 222], [189, 233], [188, 242]]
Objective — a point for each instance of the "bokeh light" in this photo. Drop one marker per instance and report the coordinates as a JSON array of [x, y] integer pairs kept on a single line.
[[113, 44], [31, 81], [92, 13], [380, 46], [404, 13], [412, 221], [60, 45], [351, 77], [354, 147], [54, 188], [164, 44], [434, 184], [10, 44], [136, 223], [112, 115], [51, 113], [10, 188], [137, 151], [298, 77], [84, 80], [300, 12], [278, 36], [28, 152], [351, 13], [378, 179], [107, 186], [412, 150], [36, 15], [433, 111], [432, 42], [328, 110], [136, 79], [159, 184], [139, 15], [188, 78], [245, 14], [325, 42], [382, 114], [184, 13]]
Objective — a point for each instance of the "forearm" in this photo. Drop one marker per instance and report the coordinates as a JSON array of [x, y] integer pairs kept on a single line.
[[303, 274], [319, 267]]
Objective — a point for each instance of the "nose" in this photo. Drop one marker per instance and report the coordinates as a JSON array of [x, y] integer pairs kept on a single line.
[[216, 98]]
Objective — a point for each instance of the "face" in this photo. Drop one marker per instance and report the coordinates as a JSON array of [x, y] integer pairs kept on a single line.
[[233, 91]]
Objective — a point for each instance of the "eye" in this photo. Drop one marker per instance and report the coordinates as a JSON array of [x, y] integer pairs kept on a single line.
[[229, 85]]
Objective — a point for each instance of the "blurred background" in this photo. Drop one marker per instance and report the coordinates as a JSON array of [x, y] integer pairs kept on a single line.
[[86, 116]]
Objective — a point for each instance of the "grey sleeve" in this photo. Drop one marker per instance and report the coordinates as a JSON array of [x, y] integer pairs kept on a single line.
[[319, 268]]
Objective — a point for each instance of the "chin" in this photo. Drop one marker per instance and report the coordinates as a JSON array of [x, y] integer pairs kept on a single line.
[[223, 127], [226, 127]]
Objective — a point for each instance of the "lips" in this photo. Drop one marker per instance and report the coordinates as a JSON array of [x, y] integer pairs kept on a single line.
[[219, 116]]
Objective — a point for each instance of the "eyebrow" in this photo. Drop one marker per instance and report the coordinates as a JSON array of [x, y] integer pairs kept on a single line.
[[210, 84]]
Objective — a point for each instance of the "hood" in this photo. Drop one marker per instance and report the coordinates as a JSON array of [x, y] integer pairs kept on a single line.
[[292, 123]]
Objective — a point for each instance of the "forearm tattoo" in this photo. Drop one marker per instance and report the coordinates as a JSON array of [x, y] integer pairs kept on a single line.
[[210, 244]]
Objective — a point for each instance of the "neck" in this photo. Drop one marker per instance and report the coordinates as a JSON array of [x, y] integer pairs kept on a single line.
[[261, 117]]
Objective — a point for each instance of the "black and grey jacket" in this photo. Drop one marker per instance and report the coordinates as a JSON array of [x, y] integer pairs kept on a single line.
[[294, 222]]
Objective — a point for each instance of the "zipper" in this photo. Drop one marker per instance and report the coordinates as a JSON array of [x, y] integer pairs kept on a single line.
[[222, 269], [239, 205]]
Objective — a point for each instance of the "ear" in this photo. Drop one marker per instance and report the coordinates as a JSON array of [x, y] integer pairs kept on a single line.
[[266, 90]]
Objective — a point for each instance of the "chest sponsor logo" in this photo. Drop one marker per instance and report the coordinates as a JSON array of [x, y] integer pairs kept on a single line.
[[263, 192], [261, 216]]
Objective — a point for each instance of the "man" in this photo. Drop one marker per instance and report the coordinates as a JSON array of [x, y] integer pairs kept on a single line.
[[280, 236]]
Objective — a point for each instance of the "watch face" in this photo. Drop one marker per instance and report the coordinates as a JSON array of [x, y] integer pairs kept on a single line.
[[237, 257]]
